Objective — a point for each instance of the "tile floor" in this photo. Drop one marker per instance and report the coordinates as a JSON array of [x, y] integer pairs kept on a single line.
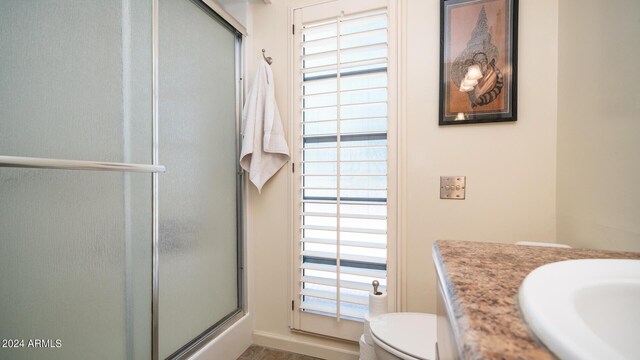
[[255, 352]]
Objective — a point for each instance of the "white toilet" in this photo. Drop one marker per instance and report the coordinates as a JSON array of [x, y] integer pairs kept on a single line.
[[407, 336]]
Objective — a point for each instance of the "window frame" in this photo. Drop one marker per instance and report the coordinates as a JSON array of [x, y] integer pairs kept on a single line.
[[320, 324]]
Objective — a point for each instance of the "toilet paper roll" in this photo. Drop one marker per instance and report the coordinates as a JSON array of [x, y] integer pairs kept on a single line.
[[377, 304], [367, 352], [367, 330]]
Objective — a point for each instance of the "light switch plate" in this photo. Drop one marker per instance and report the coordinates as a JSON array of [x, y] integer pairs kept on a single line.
[[453, 187]]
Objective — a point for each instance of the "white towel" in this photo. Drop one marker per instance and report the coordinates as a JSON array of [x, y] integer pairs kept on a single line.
[[264, 147]]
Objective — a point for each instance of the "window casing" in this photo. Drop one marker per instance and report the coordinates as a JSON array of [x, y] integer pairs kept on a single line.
[[344, 153]]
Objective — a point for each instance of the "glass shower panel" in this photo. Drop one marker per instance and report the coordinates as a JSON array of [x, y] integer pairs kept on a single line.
[[75, 264], [80, 71], [75, 246], [197, 208]]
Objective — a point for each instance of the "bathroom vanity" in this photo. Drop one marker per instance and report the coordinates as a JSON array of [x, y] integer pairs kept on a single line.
[[478, 283]]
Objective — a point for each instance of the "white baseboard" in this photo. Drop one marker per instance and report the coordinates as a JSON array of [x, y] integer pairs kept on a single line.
[[307, 345]]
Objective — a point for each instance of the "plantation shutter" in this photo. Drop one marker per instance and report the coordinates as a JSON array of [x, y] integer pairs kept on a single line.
[[341, 181]]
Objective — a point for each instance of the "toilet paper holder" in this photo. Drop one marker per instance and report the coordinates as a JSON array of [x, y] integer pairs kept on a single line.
[[375, 284]]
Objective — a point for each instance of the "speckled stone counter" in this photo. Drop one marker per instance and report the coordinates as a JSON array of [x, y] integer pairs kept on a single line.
[[480, 283]]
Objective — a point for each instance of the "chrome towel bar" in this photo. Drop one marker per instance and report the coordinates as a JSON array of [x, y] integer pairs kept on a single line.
[[43, 163]]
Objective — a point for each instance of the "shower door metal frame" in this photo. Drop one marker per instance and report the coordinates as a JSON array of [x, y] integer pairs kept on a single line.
[[154, 183], [218, 14]]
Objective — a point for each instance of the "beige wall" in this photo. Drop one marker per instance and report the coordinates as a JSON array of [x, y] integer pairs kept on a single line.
[[510, 167], [599, 124]]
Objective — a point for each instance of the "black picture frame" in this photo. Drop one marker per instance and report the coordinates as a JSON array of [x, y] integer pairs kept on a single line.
[[478, 61]]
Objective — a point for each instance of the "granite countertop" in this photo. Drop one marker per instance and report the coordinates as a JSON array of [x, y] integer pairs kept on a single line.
[[481, 282]]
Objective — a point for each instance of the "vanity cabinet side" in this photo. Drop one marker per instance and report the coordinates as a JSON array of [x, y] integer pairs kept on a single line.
[[445, 346]]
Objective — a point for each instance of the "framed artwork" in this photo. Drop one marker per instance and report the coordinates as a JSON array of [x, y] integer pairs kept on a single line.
[[478, 61]]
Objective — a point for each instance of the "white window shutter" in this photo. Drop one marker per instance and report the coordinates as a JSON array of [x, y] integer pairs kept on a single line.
[[341, 60]]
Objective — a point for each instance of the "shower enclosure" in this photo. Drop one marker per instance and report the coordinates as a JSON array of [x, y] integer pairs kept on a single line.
[[120, 193]]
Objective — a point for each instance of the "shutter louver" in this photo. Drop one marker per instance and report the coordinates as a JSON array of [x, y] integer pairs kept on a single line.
[[343, 145]]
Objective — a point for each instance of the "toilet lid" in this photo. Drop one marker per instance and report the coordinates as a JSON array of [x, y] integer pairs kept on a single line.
[[413, 334]]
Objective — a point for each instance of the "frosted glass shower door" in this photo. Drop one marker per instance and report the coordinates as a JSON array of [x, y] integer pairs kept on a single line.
[[198, 238], [75, 245]]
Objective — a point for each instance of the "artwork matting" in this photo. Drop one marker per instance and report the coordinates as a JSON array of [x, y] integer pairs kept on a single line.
[[478, 61]]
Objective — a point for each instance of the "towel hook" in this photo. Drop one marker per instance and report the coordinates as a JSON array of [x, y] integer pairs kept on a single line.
[[268, 59]]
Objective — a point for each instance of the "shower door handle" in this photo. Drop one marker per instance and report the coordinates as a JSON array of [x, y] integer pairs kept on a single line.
[[60, 164]]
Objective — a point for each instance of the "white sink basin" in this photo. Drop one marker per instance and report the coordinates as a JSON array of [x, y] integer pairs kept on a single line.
[[585, 309]]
